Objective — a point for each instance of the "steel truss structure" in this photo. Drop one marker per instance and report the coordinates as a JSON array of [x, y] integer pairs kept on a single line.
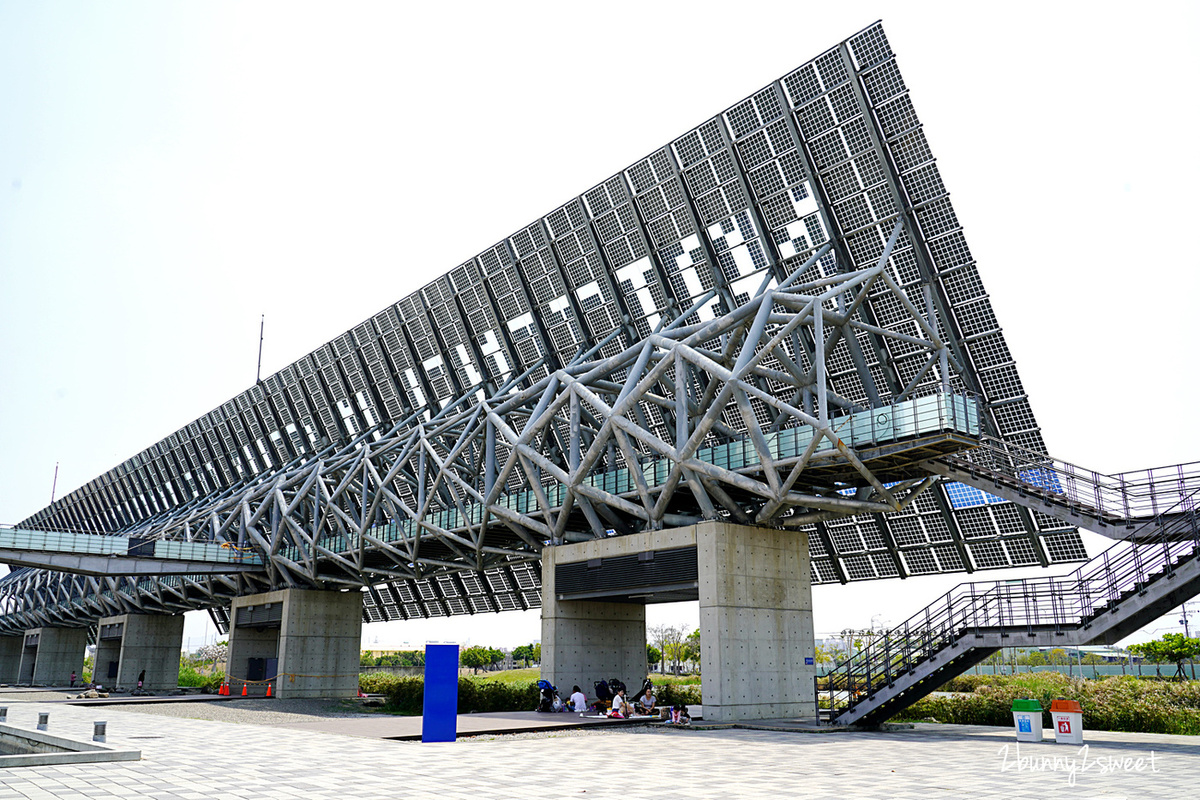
[[774, 318]]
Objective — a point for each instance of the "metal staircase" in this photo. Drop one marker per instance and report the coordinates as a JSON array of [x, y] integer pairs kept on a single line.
[[1121, 506], [1114, 594]]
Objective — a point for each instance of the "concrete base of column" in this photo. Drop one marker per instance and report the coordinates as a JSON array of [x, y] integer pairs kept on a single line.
[[10, 658], [150, 643], [313, 641], [58, 653]]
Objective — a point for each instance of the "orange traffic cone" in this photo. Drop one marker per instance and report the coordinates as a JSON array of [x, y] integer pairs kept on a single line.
[[244, 692], [223, 689], [268, 690]]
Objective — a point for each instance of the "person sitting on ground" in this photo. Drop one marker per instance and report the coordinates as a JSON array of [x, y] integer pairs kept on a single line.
[[644, 704], [620, 706], [578, 699]]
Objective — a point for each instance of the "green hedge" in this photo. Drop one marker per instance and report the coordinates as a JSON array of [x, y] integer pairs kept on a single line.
[[669, 694], [1119, 703], [207, 682], [405, 694]]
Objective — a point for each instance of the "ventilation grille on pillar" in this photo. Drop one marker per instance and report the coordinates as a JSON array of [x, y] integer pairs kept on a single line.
[[620, 575], [268, 615]]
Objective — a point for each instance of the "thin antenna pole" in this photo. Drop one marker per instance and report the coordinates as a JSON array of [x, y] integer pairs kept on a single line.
[[262, 323], [54, 486]]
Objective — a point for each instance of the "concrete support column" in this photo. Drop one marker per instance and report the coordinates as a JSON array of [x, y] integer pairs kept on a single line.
[[584, 641], [756, 627], [57, 653], [149, 643], [10, 658], [307, 640]]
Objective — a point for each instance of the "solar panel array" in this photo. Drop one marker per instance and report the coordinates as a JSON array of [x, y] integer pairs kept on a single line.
[[515, 587], [833, 149]]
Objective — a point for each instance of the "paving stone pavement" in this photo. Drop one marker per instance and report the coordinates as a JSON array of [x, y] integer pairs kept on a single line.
[[209, 760]]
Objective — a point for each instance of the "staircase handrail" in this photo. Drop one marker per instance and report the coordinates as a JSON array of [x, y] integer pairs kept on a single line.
[[1059, 601], [1135, 495]]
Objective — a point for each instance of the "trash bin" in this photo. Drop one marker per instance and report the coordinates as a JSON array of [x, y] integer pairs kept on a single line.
[[1066, 716], [1027, 718]]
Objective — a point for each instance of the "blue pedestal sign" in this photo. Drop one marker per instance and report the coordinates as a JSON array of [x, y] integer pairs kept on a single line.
[[439, 719]]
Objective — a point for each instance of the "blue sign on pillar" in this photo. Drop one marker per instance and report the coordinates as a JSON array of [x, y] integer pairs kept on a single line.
[[439, 721]]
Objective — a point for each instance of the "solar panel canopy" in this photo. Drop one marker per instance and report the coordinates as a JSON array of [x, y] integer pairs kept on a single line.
[[832, 152]]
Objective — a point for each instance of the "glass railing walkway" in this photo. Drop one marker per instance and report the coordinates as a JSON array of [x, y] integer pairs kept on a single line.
[[111, 545]]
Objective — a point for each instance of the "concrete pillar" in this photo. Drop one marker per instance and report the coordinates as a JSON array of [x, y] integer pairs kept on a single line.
[[756, 628], [149, 642], [310, 640], [57, 653], [584, 641], [10, 658]]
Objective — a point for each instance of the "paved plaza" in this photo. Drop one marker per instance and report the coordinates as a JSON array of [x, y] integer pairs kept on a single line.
[[290, 757]]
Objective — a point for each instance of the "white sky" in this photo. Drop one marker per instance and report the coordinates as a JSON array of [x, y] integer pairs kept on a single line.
[[170, 171]]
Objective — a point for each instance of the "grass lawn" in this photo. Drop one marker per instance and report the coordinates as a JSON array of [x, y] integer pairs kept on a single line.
[[529, 675], [532, 674]]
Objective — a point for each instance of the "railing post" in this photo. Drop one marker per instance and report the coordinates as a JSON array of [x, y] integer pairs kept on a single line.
[[1125, 498], [1029, 618]]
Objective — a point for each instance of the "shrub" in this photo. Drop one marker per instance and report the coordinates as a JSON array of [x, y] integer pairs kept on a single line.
[[212, 682], [484, 696], [669, 694], [406, 695], [1118, 703], [190, 676], [208, 682], [969, 683]]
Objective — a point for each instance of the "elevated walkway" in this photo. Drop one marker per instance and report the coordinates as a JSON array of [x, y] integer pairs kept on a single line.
[[95, 554], [894, 442], [1114, 594]]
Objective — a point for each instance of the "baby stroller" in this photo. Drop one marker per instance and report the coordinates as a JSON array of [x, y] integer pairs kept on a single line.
[[546, 698], [604, 695]]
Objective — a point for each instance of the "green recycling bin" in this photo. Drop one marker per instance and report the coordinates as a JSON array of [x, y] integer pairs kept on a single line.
[[1027, 719]]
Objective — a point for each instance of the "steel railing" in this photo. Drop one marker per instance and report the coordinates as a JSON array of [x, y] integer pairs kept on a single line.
[[1139, 495], [1057, 604]]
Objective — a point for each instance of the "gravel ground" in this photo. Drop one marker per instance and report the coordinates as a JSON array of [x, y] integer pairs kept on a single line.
[[570, 733], [284, 712], [31, 696], [251, 712]]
